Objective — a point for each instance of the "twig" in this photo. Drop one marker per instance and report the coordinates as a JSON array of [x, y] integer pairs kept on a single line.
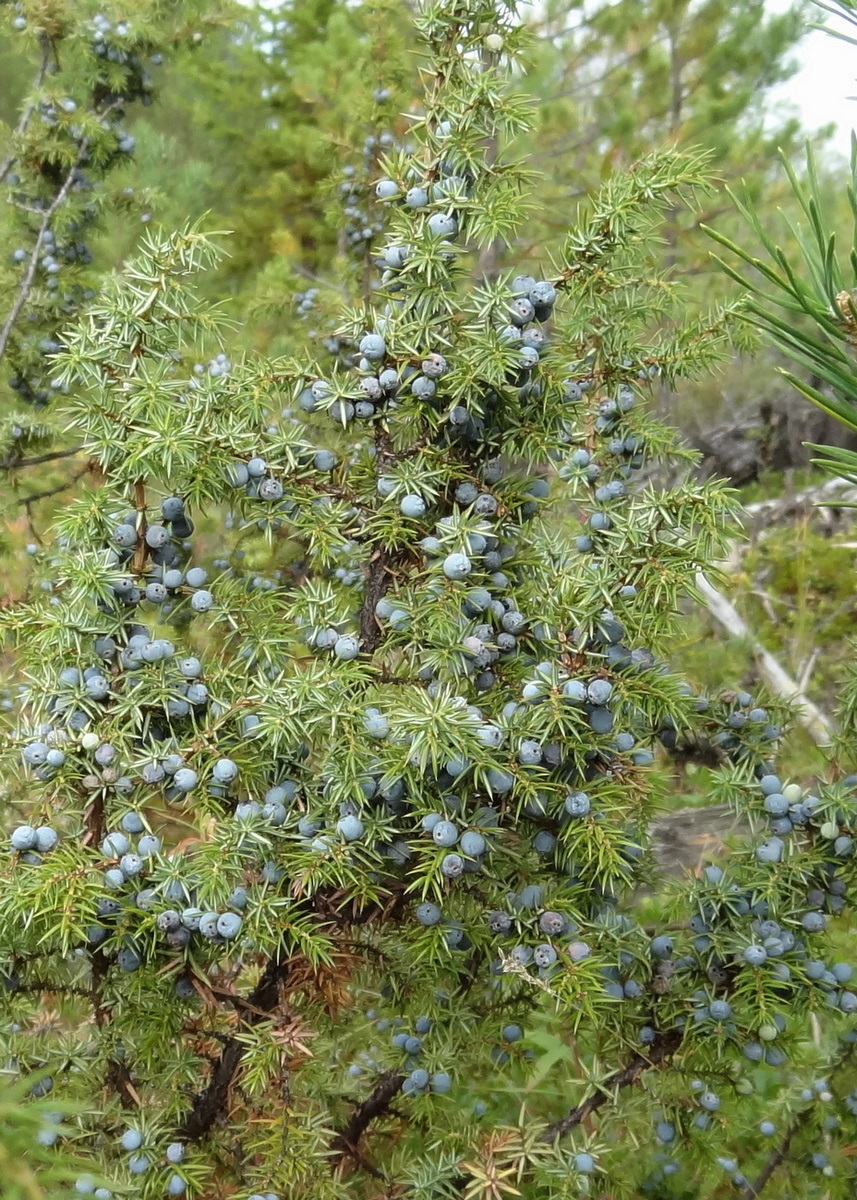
[[817, 725], [139, 562], [775, 1158], [32, 497], [665, 1046], [29, 108], [12, 464], [30, 273], [780, 1154], [835, 492], [808, 667]]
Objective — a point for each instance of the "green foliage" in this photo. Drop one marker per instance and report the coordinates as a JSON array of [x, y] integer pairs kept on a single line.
[[325, 729]]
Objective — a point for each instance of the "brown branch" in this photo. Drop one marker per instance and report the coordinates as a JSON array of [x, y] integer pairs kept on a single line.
[[376, 1104], [32, 497], [12, 464], [377, 582], [211, 1104], [30, 273], [777, 1157], [665, 1046], [141, 551], [44, 985]]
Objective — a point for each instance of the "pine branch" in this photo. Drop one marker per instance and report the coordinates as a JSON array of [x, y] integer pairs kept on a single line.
[[665, 1046], [779, 1155], [375, 1105]]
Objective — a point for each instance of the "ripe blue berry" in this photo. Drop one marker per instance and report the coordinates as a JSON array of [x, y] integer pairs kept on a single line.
[[386, 189], [813, 922], [23, 838], [412, 506], [172, 507], [114, 845], [346, 648], [521, 311], [272, 490], [442, 225], [132, 1139], [351, 828], [130, 865], [128, 959], [373, 347], [444, 833], [324, 460], [125, 536], [452, 866], [229, 925], [457, 566], [770, 851], [185, 779], [157, 536], [661, 946], [428, 913], [544, 955], [225, 770], [599, 691], [472, 844], [201, 601], [416, 197]]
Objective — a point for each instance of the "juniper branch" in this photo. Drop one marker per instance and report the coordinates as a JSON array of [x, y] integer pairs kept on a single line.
[[778, 1156], [211, 1103], [376, 1104], [664, 1048]]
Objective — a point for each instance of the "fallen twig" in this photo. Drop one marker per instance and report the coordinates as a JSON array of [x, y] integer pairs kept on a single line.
[[813, 720]]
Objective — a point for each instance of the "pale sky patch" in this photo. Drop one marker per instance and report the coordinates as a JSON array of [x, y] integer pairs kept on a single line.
[[820, 92]]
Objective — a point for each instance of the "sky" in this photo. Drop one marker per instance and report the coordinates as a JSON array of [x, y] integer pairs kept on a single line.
[[827, 78]]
